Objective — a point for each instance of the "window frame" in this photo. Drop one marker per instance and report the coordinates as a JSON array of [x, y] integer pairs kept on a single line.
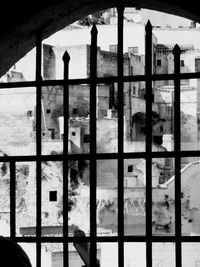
[[120, 156]]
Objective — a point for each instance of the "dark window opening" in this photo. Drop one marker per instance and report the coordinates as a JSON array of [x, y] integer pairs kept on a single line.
[[182, 63], [158, 62], [48, 111], [75, 111], [130, 168], [53, 196], [73, 133], [29, 113], [86, 138], [52, 133], [143, 130]]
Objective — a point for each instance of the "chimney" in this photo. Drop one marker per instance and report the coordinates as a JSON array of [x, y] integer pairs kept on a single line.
[[113, 48], [193, 24]]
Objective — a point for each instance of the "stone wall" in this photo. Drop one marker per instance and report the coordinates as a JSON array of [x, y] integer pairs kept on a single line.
[[49, 62]]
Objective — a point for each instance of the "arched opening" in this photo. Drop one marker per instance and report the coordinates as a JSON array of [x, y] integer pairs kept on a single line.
[[18, 30], [106, 164]]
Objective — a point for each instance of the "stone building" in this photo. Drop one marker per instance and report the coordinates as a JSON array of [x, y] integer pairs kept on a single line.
[[164, 93]]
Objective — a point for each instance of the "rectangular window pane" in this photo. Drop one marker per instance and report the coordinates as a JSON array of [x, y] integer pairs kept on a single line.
[[5, 199], [52, 122], [163, 50], [23, 70], [163, 254], [189, 114], [107, 254], [17, 107], [106, 42], [134, 196], [163, 116], [190, 199], [190, 254], [107, 118], [30, 250], [134, 117], [79, 254], [76, 41], [52, 198], [134, 42], [52, 254], [107, 197], [78, 196], [134, 254], [26, 198], [163, 196], [79, 119]]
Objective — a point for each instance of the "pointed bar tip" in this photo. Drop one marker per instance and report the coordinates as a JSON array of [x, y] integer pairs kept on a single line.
[[120, 8], [94, 29], [176, 49], [148, 25], [66, 57]]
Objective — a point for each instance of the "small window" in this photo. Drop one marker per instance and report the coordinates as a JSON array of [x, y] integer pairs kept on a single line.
[[52, 195], [73, 133], [134, 90], [75, 111], [29, 113], [182, 63], [48, 111], [86, 138], [133, 50], [46, 214], [158, 62], [161, 128], [130, 168]]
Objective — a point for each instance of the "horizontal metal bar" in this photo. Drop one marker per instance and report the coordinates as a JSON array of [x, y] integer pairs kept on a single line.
[[136, 155], [61, 239], [113, 79]]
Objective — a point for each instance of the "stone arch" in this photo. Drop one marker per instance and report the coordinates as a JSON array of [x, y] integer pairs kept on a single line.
[[22, 19]]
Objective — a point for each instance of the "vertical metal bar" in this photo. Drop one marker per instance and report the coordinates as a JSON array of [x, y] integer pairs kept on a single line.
[[93, 163], [66, 59], [12, 200], [177, 146], [148, 73], [120, 68], [38, 146]]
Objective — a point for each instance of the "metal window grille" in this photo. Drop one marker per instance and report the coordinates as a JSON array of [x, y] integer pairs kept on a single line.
[[93, 156]]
